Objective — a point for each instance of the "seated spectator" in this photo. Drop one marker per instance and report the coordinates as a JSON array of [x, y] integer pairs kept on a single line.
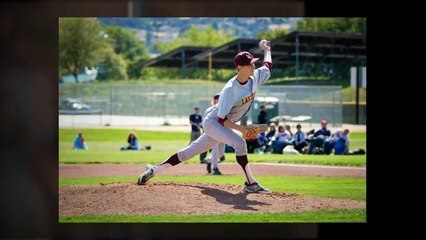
[[80, 142], [339, 141], [299, 139], [258, 142], [319, 138], [133, 142], [228, 149], [271, 132], [282, 139], [288, 129]]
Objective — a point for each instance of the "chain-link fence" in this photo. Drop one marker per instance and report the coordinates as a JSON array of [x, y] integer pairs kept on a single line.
[[178, 101]]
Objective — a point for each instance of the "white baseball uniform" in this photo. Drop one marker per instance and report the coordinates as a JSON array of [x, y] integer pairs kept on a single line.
[[218, 150], [234, 102]]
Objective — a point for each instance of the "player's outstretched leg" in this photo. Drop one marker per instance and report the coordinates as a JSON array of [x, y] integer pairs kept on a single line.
[[200, 145], [151, 170], [145, 176]]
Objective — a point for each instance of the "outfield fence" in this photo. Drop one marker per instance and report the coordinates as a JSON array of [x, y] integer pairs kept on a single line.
[[178, 101]]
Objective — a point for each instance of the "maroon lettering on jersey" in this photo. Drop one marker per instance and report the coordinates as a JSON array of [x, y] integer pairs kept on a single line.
[[248, 99]]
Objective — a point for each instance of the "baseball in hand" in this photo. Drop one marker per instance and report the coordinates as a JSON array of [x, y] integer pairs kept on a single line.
[[264, 44]]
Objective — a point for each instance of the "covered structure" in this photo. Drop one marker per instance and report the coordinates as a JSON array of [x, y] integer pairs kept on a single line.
[[223, 56], [301, 47], [176, 58], [297, 49]]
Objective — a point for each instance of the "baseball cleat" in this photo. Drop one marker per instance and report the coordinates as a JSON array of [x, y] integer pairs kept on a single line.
[[144, 177], [222, 159], [255, 188], [216, 171], [209, 167]]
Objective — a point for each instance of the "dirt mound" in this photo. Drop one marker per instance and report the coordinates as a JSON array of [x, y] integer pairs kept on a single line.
[[158, 198]]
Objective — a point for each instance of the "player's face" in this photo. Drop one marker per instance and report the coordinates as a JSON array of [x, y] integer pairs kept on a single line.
[[248, 69]]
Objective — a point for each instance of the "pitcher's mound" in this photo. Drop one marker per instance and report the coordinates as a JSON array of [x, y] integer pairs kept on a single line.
[[158, 198]]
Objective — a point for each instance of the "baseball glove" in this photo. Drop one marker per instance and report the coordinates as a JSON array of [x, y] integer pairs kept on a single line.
[[251, 131]]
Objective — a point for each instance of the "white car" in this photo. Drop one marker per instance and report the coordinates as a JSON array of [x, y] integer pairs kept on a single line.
[[72, 104]]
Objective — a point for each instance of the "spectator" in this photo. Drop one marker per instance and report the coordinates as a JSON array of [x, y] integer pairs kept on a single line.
[[339, 141], [271, 131], [282, 139], [133, 142], [195, 120], [319, 138], [269, 137], [261, 118], [80, 142], [288, 129], [299, 139], [258, 142]]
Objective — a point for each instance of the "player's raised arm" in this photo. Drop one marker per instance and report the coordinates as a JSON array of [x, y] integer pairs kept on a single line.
[[266, 47], [262, 74]]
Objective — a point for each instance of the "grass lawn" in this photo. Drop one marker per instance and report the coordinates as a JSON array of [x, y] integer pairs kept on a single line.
[[104, 145], [347, 215], [346, 188]]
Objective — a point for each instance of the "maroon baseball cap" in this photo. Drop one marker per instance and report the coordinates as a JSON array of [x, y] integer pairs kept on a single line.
[[244, 58]]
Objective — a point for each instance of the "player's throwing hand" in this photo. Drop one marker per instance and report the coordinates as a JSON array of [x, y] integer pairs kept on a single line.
[[264, 44]]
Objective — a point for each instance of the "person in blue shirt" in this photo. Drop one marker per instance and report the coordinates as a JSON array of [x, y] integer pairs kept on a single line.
[[80, 142], [319, 137], [133, 142], [195, 120], [299, 139], [339, 141]]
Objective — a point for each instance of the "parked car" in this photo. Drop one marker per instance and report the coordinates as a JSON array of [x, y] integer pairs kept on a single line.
[[72, 104]]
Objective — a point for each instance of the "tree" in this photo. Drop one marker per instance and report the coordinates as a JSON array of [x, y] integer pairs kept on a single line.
[[196, 37], [273, 34], [130, 47], [81, 44], [112, 67], [336, 25]]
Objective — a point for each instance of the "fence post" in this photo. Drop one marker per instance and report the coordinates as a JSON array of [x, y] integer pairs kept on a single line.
[[110, 103], [358, 77]]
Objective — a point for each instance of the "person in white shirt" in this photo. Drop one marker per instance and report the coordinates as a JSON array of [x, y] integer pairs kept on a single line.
[[282, 139]]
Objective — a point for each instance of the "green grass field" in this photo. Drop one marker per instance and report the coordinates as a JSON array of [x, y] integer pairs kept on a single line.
[[345, 216], [104, 145]]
